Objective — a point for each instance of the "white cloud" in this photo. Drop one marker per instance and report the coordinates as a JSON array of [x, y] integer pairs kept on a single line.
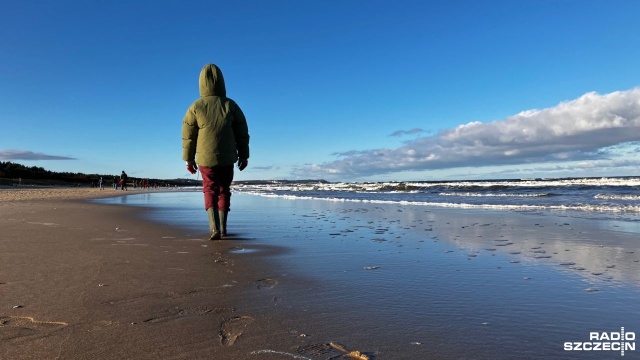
[[407, 132], [582, 129], [29, 155], [265, 168]]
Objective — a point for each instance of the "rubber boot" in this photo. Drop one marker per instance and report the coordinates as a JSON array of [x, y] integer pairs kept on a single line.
[[223, 221], [214, 224]]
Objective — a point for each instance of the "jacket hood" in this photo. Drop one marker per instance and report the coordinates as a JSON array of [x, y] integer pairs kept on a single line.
[[211, 81]]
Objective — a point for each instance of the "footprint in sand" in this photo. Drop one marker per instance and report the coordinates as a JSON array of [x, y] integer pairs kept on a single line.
[[332, 350], [319, 349], [176, 313], [231, 329], [21, 326], [266, 283]]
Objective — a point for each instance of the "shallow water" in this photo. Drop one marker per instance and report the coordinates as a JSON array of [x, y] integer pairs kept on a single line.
[[614, 198], [414, 282]]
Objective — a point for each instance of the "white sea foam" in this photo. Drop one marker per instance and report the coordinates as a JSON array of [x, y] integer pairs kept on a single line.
[[617, 197], [541, 182], [414, 186], [577, 207], [468, 194]]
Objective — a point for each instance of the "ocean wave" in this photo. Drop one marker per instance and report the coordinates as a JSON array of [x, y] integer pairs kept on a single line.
[[418, 186], [467, 194], [610, 208], [617, 197]]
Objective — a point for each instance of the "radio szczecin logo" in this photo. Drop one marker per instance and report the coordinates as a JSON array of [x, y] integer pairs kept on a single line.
[[605, 341]]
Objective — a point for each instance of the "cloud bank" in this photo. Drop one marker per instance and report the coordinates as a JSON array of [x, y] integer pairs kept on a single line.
[[265, 168], [406, 132], [582, 129], [29, 155]]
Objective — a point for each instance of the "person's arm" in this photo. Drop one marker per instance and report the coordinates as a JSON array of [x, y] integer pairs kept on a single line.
[[189, 136], [241, 134]]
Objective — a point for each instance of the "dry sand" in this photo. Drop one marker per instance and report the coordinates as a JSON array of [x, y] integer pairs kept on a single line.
[[87, 281]]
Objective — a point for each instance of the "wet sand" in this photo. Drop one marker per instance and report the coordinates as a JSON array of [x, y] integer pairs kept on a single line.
[[302, 279], [86, 281], [403, 282]]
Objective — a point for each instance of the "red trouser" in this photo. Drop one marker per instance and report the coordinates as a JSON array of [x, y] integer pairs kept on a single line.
[[216, 183]]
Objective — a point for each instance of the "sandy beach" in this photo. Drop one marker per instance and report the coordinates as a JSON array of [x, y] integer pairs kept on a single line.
[[300, 279], [88, 281]]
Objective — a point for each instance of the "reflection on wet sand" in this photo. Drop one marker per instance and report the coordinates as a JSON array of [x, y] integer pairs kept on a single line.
[[575, 245], [596, 251]]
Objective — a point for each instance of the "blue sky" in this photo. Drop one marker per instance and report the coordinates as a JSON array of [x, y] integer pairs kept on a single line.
[[342, 90]]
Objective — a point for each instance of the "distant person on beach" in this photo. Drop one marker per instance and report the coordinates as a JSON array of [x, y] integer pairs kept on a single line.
[[123, 181], [100, 183], [215, 136]]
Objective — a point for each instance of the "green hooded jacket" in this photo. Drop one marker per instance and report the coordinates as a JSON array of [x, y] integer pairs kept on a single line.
[[214, 129]]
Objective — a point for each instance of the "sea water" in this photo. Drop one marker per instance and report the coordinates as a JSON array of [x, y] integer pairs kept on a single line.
[[461, 270], [614, 198]]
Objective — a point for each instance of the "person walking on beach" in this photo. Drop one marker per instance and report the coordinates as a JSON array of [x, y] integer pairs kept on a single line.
[[123, 181], [214, 137]]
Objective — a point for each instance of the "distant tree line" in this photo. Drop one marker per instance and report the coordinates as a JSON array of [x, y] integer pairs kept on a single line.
[[13, 173]]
